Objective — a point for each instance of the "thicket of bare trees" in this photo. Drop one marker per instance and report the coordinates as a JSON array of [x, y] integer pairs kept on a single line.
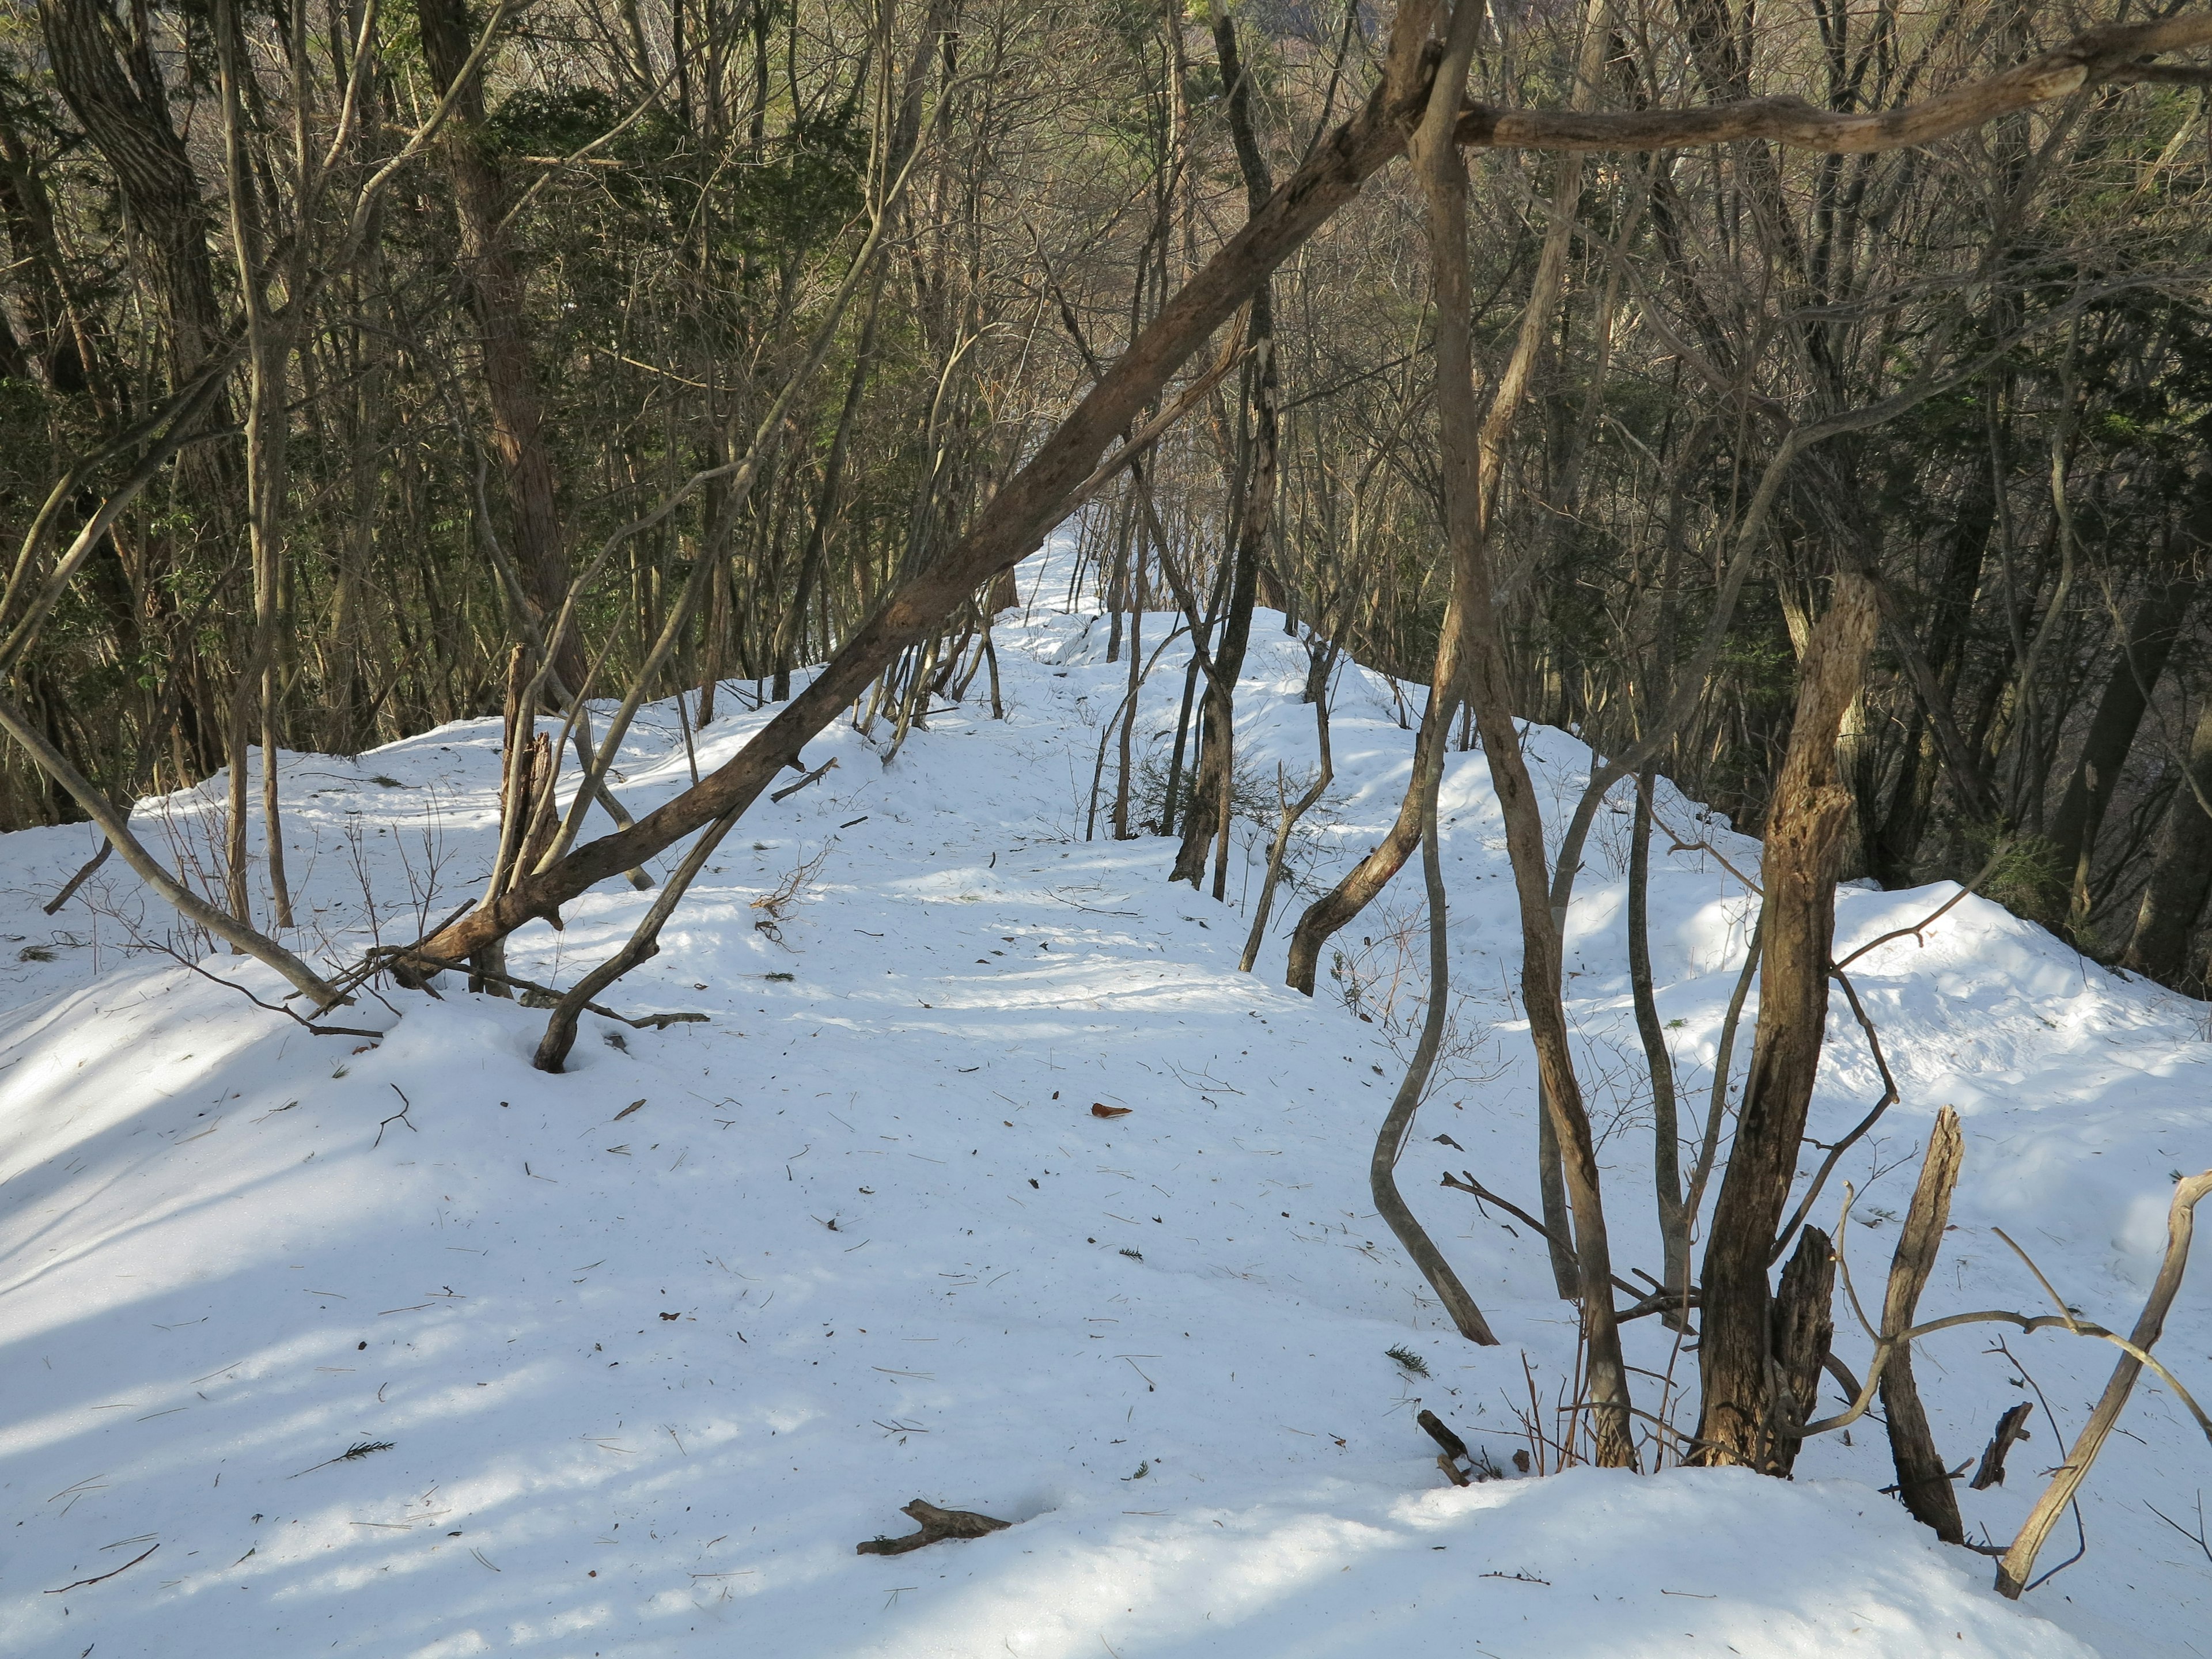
[[369, 423], [1814, 405]]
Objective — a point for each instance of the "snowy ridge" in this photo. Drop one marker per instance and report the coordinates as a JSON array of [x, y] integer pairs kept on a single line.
[[649, 1372]]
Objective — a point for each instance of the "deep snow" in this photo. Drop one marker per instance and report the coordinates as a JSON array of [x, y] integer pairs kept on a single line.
[[656, 1342]]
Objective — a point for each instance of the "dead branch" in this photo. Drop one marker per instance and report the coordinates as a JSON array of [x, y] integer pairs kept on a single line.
[[1923, 1481], [936, 1524], [2197, 1537], [1645, 1302], [2011, 1427], [292, 1014], [1440, 1431], [1932, 917], [70, 887], [815, 776], [2018, 1563], [149, 1549], [1889, 1098], [1803, 1330], [535, 996]]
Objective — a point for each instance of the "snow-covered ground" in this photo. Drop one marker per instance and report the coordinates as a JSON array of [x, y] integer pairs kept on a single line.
[[649, 1347]]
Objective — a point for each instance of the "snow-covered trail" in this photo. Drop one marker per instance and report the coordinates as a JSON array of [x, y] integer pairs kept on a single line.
[[654, 1343]]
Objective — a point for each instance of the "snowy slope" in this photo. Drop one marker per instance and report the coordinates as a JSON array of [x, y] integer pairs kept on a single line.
[[656, 1342]]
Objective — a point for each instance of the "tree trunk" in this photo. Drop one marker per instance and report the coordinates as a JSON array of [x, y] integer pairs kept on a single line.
[[495, 297], [1805, 833], [2181, 873], [1211, 804], [1666, 1133], [1472, 613], [1334, 910], [1804, 1327], [1923, 1483]]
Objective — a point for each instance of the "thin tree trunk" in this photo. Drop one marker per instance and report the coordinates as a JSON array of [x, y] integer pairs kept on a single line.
[[1665, 1132], [1471, 613], [496, 296], [1207, 821], [2153, 628], [2181, 872]]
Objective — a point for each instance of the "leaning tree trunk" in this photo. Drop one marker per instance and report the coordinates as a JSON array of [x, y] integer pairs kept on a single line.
[[1805, 833]]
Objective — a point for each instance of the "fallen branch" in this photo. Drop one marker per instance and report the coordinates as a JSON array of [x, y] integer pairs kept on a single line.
[[70, 887], [2020, 1561], [936, 1525], [536, 995], [150, 1549], [292, 1014]]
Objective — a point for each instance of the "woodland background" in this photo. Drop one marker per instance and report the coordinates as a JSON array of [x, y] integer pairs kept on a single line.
[[413, 414]]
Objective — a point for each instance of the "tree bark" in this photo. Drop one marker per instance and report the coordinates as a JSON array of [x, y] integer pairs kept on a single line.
[[1804, 1329], [1923, 1483], [1805, 833], [1666, 1132]]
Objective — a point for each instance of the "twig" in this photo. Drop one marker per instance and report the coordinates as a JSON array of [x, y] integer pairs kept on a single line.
[[400, 1116], [1644, 1302], [292, 1014], [1934, 915], [2058, 1301], [351, 1454], [1889, 1098], [1720, 857], [2197, 1537], [811, 777], [136, 1559]]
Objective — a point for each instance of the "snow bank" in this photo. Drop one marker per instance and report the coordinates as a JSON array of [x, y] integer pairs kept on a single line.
[[654, 1344]]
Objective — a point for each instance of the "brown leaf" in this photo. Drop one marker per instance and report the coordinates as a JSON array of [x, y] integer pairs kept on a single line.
[[1100, 1109]]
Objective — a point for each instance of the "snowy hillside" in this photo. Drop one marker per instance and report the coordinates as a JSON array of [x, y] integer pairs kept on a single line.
[[646, 1349]]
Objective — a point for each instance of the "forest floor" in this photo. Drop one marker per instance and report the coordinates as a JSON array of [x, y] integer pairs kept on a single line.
[[397, 1347]]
